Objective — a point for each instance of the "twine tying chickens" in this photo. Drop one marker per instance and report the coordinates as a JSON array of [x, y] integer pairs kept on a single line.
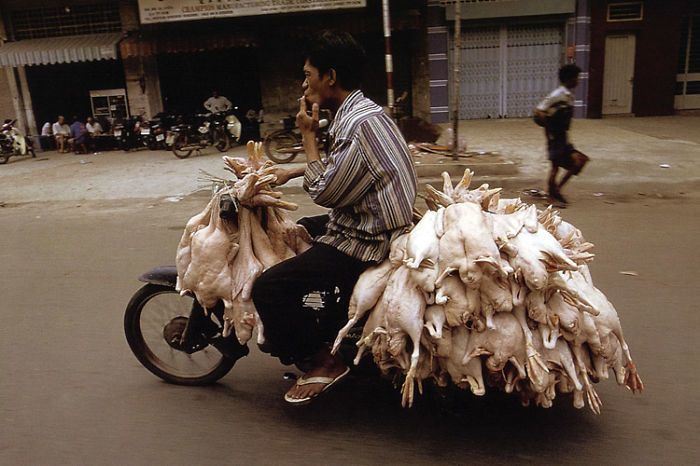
[[479, 281]]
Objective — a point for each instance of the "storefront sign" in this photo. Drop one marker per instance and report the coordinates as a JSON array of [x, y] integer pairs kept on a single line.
[[161, 11]]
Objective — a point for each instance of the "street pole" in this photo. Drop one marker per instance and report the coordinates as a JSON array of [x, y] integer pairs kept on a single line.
[[388, 58], [455, 79]]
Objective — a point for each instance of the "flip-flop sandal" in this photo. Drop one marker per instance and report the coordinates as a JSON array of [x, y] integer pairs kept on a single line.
[[329, 381]]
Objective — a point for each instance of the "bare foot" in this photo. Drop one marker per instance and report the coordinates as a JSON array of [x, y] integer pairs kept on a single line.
[[325, 365]]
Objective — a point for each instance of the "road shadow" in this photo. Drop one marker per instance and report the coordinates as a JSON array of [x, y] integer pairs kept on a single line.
[[493, 425]]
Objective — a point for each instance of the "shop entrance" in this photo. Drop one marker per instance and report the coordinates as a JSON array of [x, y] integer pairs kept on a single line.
[[65, 89], [505, 70], [187, 79]]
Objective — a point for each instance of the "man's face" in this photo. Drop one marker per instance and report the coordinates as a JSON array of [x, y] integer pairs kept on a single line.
[[61, 120], [316, 87], [215, 94]]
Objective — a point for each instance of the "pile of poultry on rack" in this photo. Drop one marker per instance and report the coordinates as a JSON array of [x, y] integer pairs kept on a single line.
[[478, 283]]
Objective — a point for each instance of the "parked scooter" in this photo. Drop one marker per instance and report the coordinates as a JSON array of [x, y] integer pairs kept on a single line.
[[130, 133], [200, 131], [158, 128], [283, 145], [13, 142]]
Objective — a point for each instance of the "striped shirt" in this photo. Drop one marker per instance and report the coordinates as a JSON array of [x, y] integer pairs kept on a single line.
[[367, 179]]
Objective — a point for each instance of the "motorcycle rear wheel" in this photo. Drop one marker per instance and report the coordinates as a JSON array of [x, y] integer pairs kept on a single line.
[[282, 146], [152, 314], [181, 141], [221, 141], [4, 159]]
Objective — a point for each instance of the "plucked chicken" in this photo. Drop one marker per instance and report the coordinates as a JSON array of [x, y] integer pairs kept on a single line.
[[484, 283]]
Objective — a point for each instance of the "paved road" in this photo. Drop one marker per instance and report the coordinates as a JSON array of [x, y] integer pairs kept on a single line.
[[72, 393]]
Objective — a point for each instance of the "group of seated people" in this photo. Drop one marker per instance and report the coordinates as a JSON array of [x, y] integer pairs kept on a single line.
[[76, 138]]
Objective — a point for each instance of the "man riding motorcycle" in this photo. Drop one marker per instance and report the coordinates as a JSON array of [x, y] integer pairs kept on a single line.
[[369, 183]]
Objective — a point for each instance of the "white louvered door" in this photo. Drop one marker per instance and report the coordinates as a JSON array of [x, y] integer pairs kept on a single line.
[[534, 55], [480, 65], [506, 70]]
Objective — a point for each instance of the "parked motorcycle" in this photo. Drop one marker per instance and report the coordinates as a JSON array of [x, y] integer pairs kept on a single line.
[[131, 133], [13, 142], [158, 127], [201, 131], [283, 145]]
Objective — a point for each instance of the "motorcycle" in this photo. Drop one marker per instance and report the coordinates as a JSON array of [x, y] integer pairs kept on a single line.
[[158, 128], [283, 145], [131, 133], [204, 130], [13, 142], [172, 336]]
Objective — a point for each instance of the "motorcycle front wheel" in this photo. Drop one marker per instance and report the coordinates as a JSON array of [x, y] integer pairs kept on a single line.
[[221, 141], [154, 320], [282, 146], [181, 149]]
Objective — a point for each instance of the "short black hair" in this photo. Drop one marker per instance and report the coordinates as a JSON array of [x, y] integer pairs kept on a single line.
[[340, 51], [568, 72]]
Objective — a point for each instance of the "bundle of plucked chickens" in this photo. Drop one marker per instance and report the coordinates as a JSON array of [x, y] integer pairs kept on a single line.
[[484, 283], [479, 284], [219, 259]]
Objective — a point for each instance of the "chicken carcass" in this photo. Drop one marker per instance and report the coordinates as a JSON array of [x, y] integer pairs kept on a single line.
[[405, 308], [502, 344], [367, 291], [208, 275], [467, 225], [183, 255]]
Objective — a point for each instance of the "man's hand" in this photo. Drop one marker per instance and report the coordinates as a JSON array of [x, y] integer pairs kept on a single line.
[[308, 124], [283, 174]]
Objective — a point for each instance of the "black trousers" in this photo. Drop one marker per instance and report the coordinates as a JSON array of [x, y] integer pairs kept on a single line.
[[294, 331]]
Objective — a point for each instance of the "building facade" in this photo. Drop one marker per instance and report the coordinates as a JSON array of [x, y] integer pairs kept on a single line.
[[510, 52], [645, 57], [76, 57], [638, 57], [111, 58]]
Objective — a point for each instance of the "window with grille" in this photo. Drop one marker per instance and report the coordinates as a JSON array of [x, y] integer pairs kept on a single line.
[[65, 21], [688, 77], [627, 11]]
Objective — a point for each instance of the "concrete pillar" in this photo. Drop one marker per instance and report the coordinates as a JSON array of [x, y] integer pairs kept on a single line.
[[5, 96], [17, 100], [582, 41], [129, 15], [28, 108], [140, 73], [437, 63], [143, 86], [420, 71], [10, 93]]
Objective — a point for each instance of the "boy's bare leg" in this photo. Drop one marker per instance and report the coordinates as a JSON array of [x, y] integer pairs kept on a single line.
[[566, 178], [554, 186], [552, 183]]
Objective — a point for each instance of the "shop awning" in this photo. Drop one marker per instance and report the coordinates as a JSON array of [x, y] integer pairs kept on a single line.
[[67, 49], [146, 44]]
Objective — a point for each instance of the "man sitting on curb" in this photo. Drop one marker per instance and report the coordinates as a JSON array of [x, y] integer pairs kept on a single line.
[[61, 131]]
